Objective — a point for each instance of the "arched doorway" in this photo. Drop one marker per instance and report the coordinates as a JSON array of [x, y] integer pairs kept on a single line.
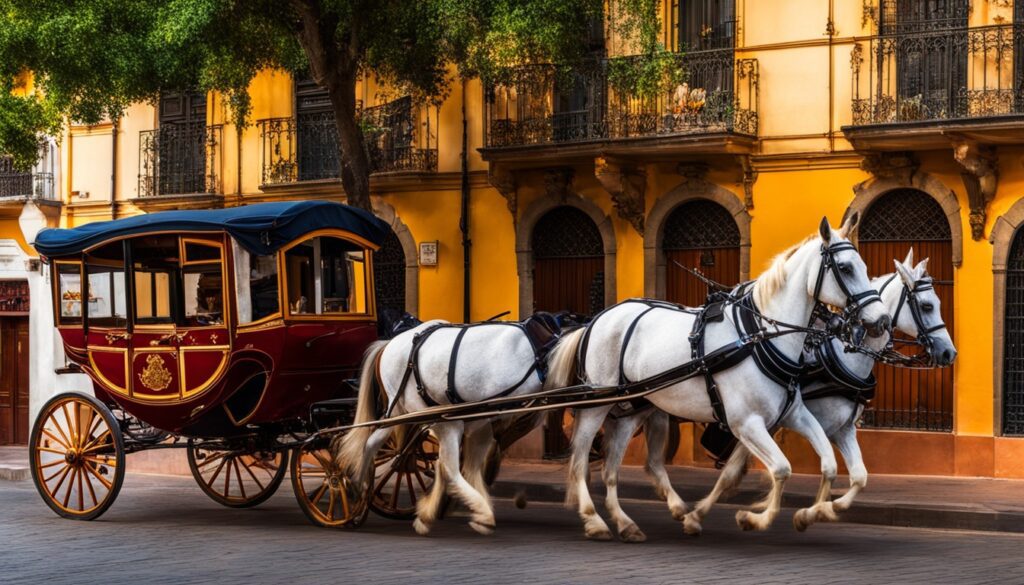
[[568, 275], [389, 281], [568, 263], [1013, 348], [895, 222], [703, 235]]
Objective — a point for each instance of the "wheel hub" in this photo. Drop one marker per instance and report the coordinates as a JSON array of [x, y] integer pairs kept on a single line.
[[72, 457]]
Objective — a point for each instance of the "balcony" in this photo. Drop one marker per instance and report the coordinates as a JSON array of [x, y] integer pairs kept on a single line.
[[917, 88], [37, 183], [400, 137], [180, 159], [581, 109]]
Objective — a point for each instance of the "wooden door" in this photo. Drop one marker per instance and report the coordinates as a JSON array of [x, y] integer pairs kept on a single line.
[[568, 265], [701, 235], [14, 380], [901, 219], [568, 275]]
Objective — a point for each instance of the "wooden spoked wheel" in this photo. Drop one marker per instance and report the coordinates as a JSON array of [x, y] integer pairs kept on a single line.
[[326, 494], [403, 474], [236, 479], [77, 456]]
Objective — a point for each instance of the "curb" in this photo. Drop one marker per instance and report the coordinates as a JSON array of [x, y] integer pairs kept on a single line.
[[901, 514], [11, 473]]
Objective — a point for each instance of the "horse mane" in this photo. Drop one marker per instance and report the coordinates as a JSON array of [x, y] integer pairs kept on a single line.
[[774, 277]]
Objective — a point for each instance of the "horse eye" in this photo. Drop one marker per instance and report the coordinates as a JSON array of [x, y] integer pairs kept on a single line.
[[845, 267], [927, 307]]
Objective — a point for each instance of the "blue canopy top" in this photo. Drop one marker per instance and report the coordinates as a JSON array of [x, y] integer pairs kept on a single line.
[[262, 228]]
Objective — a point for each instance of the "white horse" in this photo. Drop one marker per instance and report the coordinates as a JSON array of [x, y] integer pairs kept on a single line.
[[493, 359], [825, 268], [837, 412]]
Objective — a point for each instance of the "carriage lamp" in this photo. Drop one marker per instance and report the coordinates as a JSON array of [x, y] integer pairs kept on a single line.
[[428, 253]]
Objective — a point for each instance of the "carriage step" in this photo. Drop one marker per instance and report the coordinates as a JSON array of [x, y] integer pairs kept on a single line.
[[14, 464]]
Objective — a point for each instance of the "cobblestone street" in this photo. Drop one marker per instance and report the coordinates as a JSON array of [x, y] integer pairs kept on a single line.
[[164, 530]]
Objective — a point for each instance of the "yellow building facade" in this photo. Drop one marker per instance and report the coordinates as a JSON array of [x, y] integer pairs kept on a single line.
[[581, 194]]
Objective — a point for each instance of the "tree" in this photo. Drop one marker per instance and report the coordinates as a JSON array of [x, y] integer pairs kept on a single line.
[[92, 58]]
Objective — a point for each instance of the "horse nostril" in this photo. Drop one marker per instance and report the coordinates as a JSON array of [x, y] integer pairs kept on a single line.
[[947, 357]]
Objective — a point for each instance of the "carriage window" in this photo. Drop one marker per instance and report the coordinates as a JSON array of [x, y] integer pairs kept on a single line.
[[69, 279], [326, 276], [263, 286], [200, 252], [204, 295], [153, 296], [107, 296]]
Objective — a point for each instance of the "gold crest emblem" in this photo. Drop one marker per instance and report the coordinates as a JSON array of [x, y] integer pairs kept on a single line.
[[155, 375]]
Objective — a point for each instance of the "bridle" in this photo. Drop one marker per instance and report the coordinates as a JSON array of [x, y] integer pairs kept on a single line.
[[855, 302], [908, 298]]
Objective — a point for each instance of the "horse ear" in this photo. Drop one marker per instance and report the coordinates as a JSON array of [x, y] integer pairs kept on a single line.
[[849, 224], [909, 261], [904, 272], [922, 268], [825, 230]]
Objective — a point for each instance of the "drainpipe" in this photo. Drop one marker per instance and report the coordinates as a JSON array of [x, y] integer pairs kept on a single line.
[[464, 215], [113, 166]]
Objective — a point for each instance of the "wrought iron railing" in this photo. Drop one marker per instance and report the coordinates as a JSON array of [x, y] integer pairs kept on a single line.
[[37, 183], [933, 75], [544, 104], [180, 159], [400, 136]]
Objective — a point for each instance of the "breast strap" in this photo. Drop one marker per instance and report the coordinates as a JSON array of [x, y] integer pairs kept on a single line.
[[835, 378]]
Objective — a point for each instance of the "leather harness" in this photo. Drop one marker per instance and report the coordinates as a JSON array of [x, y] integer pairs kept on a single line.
[[542, 330]]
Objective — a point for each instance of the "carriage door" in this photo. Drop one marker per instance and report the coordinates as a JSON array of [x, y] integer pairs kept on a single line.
[[203, 334], [106, 305], [568, 275], [702, 235], [911, 399], [568, 263]]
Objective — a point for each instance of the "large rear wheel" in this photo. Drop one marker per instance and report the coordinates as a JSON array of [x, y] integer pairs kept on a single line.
[[324, 491], [236, 478], [77, 456]]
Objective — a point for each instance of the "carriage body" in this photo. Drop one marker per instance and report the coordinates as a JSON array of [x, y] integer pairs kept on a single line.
[[184, 323]]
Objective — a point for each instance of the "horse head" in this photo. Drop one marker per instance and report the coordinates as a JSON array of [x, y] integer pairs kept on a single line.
[[918, 311]]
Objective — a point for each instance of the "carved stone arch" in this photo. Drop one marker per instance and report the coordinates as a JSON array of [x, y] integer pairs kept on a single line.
[[867, 192], [1004, 230], [386, 212], [688, 190], [524, 245]]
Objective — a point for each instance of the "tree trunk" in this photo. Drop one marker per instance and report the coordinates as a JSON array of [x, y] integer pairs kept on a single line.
[[334, 67]]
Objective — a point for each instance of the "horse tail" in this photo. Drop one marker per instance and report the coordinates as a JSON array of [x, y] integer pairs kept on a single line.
[[349, 450], [562, 361]]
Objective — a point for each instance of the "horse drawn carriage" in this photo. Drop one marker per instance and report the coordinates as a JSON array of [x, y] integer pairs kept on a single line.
[[237, 333], [231, 333]]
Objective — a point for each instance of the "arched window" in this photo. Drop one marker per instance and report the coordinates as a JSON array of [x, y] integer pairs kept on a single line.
[[895, 222], [702, 235], [568, 262]]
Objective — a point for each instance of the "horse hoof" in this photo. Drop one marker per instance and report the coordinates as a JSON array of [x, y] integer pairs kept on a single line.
[[748, 521], [632, 533], [691, 525], [678, 512], [599, 534], [421, 527], [801, 521], [481, 528]]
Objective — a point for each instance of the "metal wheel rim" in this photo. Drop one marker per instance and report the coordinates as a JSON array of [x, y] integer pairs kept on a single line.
[[325, 492], [234, 478], [76, 457]]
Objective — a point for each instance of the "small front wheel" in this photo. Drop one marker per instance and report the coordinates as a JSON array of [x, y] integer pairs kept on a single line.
[[77, 456], [326, 494]]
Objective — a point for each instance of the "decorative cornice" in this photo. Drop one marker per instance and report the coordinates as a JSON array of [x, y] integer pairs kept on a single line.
[[981, 178], [626, 185], [891, 165]]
